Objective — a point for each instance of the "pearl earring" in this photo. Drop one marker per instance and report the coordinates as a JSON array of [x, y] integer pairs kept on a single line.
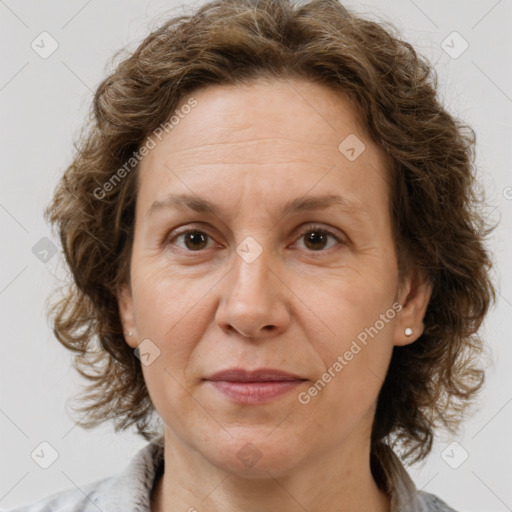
[[408, 331], [130, 333]]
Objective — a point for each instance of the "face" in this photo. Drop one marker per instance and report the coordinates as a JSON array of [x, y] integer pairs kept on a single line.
[[263, 239]]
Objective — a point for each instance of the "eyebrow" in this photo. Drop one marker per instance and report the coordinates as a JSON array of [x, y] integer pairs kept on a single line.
[[297, 205]]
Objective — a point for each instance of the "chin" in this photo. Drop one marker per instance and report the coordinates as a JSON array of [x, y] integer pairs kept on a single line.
[[253, 453]]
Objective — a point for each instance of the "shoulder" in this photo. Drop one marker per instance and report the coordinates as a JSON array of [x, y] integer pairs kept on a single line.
[[431, 503], [405, 496], [87, 499], [126, 491]]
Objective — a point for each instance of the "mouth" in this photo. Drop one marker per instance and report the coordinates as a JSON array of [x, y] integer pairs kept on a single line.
[[254, 387]]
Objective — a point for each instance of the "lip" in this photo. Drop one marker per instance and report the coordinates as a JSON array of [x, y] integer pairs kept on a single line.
[[252, 387], [258, 375]]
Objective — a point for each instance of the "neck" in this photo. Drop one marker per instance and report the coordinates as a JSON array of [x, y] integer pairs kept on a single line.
[[340, 480]]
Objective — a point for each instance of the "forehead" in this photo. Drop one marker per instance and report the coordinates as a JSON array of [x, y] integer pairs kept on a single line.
[[278, 112], [282, 135]]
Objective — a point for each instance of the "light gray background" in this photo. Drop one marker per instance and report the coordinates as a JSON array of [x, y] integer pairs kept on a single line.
[[43, 103]]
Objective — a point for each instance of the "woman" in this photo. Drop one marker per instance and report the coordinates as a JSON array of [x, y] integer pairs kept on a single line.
[[272, 232]]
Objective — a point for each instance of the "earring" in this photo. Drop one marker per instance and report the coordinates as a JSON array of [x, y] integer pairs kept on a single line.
[[408, 331], [130, 333]]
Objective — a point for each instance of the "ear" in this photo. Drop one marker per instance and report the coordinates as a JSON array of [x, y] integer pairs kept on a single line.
[[126, 313], [414, 295]]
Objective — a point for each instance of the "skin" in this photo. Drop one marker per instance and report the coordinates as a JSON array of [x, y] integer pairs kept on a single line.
[[296, 307]]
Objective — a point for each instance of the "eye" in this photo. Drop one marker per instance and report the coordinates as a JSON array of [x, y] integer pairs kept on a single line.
[[192, 240], [317, 238]]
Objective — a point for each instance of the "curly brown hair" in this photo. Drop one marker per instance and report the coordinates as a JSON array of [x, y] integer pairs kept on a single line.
[[436, 210]]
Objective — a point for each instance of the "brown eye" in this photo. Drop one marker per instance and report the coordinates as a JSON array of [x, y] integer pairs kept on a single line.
[[193, 240], [318, 239], [196, 240], [315, 240]]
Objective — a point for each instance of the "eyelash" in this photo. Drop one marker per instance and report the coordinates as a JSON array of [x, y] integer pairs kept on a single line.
[[302, 233]]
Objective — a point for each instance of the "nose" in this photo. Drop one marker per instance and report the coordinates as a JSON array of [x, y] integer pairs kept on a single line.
[[253, 300]]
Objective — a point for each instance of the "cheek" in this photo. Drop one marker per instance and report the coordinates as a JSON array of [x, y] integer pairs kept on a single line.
[[348, 302], [163, 298], [168, 311], [173, 399], [356, 344]]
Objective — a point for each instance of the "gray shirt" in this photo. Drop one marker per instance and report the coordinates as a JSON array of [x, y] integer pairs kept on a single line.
[[130, 490]]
